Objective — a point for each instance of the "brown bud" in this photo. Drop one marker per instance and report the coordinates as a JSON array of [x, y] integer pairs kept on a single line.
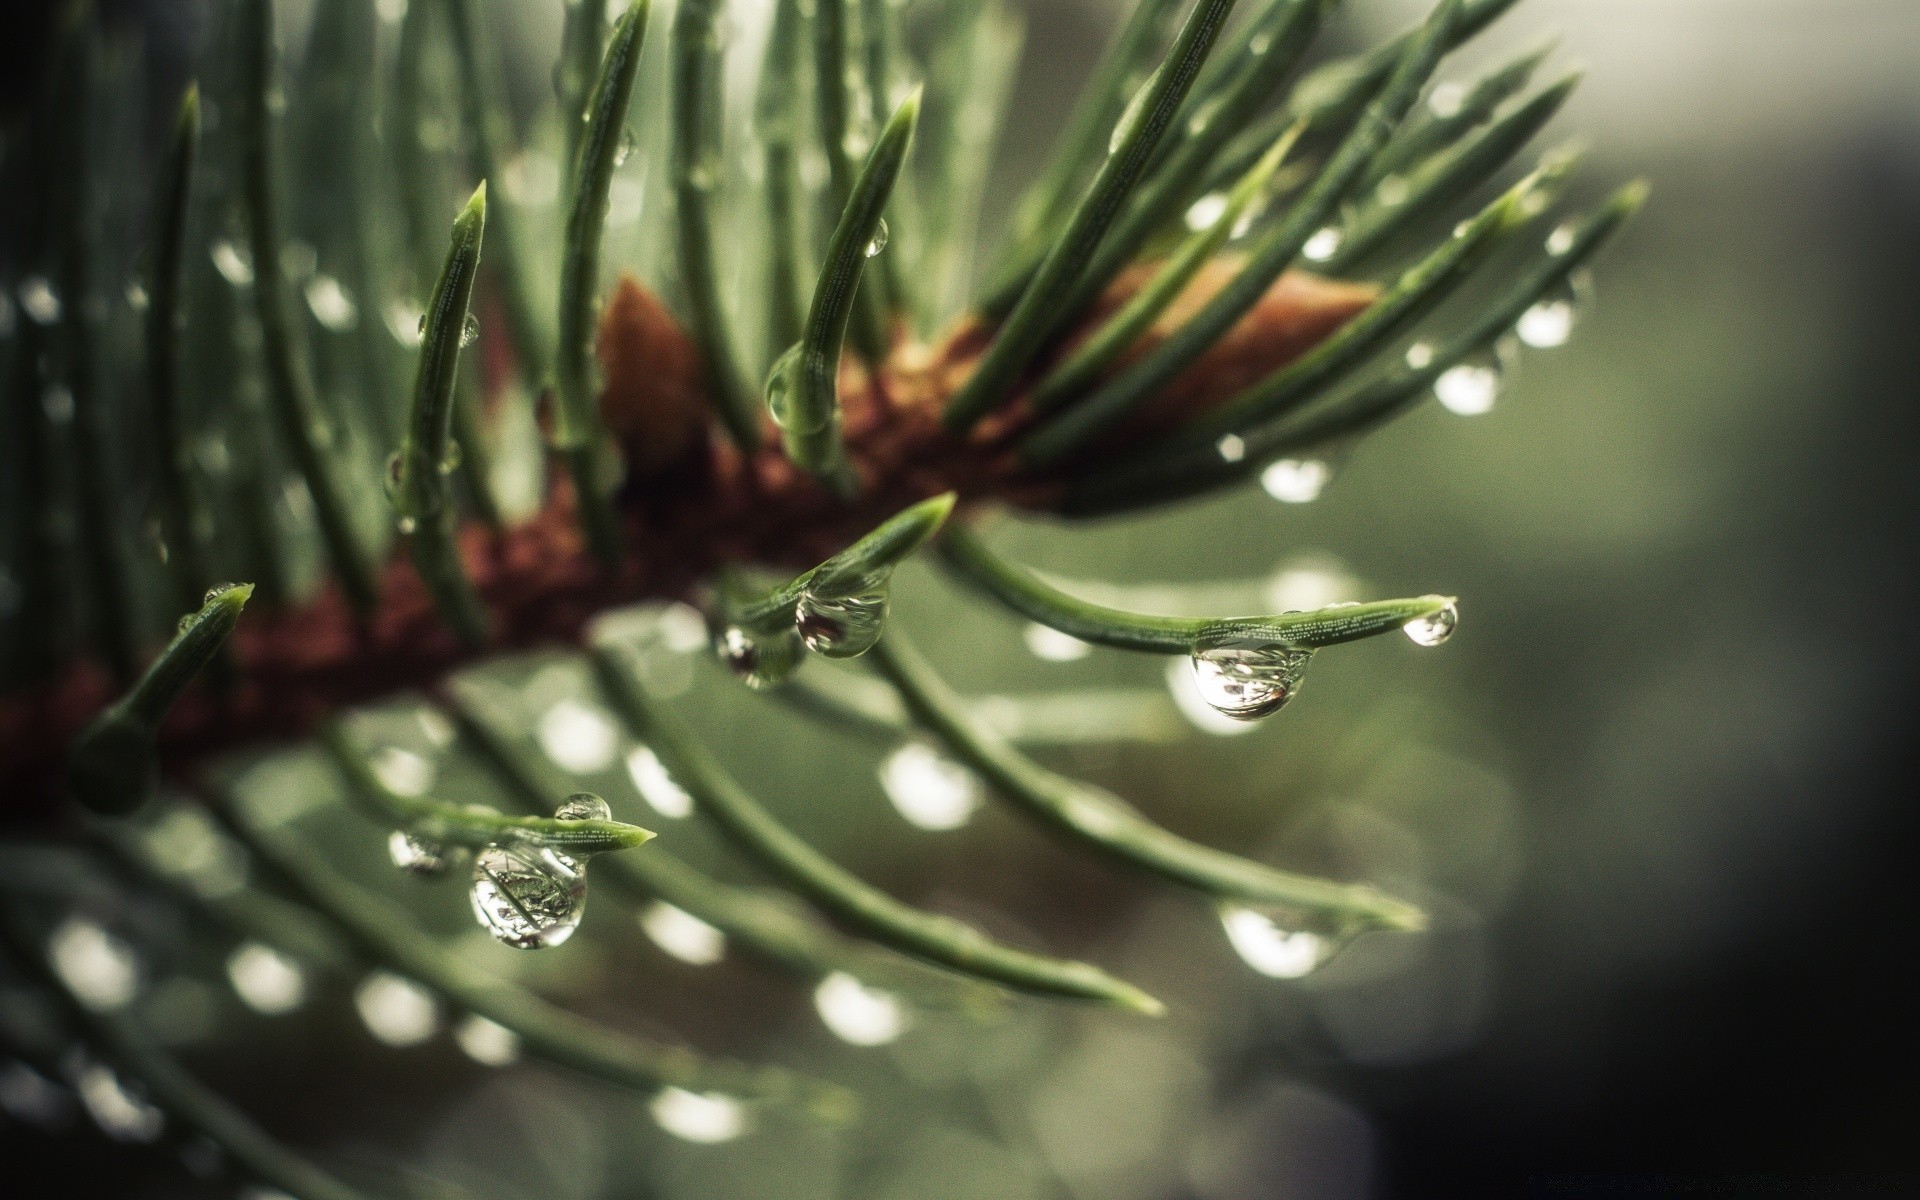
[[653, 402]]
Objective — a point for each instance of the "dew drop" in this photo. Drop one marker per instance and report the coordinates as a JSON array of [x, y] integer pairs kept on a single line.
[[1560, 241], [683, 935], [1420, 356], [407, 526], [397, 1011], [486, 1042], [469, 330], [1231, 448], [1447, 99], [121, 1113], [759, 662], [1322, 245], [858, 1014], [402, 771], [1434, 629], [421, 856], [137, 298], [782, 385], [578, 738], [97, 967], [844, 624], [266, 980], [583, 806], [330, 303], [1276, 946], [234, 264], [1470, 388], [406, 322], [625, 149], [527, 896], [38, 300], [451, 460], [1393, 191], [929, 789], [1550, 322], [1205, 212], [57, 403], [1246, 676], [1050, 645], [655, 786], [878, 241], [706, 1118], [420, 328], [1296, 480]]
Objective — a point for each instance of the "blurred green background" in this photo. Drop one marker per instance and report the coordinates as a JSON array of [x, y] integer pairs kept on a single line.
[[1656, 791]]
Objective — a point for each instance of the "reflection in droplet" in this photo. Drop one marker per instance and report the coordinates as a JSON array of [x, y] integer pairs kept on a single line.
[[928, 788], [121, 1114], [397, 1011], [1051, 645], [707, 1118], [1322, 245], [485, 1042], [1185, 690], [655, 786], [759, 662], [331, 304], [845, 623], [1435, 629], [97, 967], [1246, 676], [683, 935], [469, 330], [879, 240], [858, 1014], [1273, 949], [530, 897], [583, 806], [578, 738], [266, 980], [1296, 480]]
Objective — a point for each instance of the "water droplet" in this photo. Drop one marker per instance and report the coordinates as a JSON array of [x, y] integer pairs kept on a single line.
[[1447, 99], [97, 967], [578, 738], [405, 321], [1246, 676], [928, 788], [878, 242], [584, 806], [451, 460], [331, 304], [683, 935], [848, 622], [1435, 629], [1470, 388], [759, 662], [1560, 241], [1275, 946], [485, 1042], [529, 897], [1206, 211], [420, 328], [1050, 645], [234, 264], [706, 1118], [858, 1014], [1393, 191], [137, 298], [121, 1113], [1550, 322], [421, 856], [266, 980], [397, 1011], [402, 771], [57, 403], [1260, 43], [1132, 114], [1296, 480], [38, 300], [624, 150], [407, 526], [782, 387], [1231, 448], [1420, 356], [469, 330], [1322, 245], [655, 786]]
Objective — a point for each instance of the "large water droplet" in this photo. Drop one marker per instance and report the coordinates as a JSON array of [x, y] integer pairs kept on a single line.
[[1551, 321], [1435, 629], [707, 1118], [928, 788], [655, 786], [397, 1011], [1296, 480], [421, 856], [266, 980], [759, 662], [1322, 245], [331, 304], [487, 1043], [683, 935], [1470, 388], [846, 623], [858, 1014], [624, 150], [529, 897], [38, 299], [583, 806], [878, 241], [1276, 946], [1245, 676], [233, 263]]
